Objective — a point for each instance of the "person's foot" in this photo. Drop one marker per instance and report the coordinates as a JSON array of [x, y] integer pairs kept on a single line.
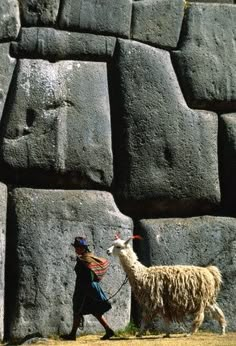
[[108, 335], [68, 337]]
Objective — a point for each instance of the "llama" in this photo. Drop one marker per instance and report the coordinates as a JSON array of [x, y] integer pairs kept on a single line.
[[172, 292]]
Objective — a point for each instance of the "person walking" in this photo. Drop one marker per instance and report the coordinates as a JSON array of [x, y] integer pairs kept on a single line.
[[88, 297]]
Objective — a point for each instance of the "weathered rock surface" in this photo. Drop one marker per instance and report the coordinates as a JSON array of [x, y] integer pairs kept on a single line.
[[111, 17], [39, 12], [51, 44], [165, 154], [58, 125], [7, 65], [9, 19], [157, 22], [208, 53], [227, 152], [3, 215], [202, 241], [44, 223]]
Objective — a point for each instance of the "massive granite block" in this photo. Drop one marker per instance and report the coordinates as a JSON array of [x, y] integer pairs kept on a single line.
[[157, 22], [202, 241], [227, 154], [111, 17], [3, 216], [40, 274], [206, 59], [7, 65], [39, 12], [57, 127], [165, 154], [9, 19], [53, 45]]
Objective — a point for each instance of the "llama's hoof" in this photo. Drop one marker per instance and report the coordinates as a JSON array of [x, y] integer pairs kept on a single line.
[[166, 336], [139, 335], [223, 331]]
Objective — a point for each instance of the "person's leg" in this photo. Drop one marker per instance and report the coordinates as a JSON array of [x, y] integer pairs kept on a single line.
[[77, 319], [109, 331]]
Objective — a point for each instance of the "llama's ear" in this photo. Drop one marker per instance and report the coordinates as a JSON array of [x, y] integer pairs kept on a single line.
[[126, 242], [133, 237], [137, 237]]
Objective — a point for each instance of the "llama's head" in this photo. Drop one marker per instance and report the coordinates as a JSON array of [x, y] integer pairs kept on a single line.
[[118, 245]]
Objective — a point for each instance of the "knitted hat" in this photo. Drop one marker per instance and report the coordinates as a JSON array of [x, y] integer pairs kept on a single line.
[[80, 241]]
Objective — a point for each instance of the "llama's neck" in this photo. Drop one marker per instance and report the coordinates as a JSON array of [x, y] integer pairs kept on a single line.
[[130, 263]]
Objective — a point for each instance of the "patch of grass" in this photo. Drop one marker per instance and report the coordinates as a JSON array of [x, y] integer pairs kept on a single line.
[[130, 329]]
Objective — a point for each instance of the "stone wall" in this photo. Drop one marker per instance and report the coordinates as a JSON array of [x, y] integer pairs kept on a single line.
[[115, 116]]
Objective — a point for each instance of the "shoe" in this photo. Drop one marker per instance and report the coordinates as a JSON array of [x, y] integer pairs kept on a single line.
[[108, 335], [68, 337]]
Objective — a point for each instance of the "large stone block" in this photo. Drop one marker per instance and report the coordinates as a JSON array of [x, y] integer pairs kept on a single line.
[[3, 214], [157, 22], [7, 65], [227, 155], [111, 17], [40, 274], [207, 53], [165, 154], [51, 44], [9, 19], [201, 241], [58, 125], [39, 12]]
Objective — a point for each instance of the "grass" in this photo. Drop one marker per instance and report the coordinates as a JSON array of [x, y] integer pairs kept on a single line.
[[130, 330]]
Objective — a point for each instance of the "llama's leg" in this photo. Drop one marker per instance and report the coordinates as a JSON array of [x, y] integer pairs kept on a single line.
[[219, 316], [199, 317], [167, 327], [144, 323]]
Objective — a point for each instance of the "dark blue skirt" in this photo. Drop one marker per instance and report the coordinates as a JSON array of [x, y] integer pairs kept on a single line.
[[90, 299]]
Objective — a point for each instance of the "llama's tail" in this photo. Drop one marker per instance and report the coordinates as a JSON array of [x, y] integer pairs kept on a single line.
[[215, 272]]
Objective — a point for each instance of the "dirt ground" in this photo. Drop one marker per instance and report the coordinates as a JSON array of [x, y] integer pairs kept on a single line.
[[200, 339]]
